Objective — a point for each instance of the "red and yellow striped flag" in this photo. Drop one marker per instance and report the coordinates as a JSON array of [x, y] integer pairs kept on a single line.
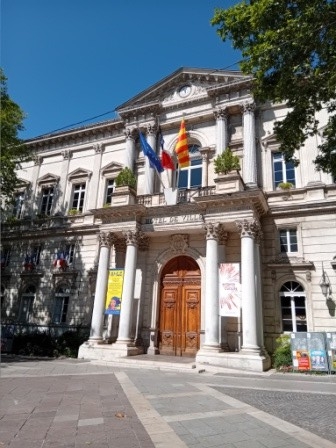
[[181, 147]]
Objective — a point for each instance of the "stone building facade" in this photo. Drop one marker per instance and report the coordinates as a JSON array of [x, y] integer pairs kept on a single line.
[[70, 224]]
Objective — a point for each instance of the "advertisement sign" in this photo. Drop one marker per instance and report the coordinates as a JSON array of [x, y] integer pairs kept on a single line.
[[229, 289], [114, 291], [331, 348], [309, 351]]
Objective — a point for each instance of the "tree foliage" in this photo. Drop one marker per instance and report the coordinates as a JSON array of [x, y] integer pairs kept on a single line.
[[289, 47], [13, 152]]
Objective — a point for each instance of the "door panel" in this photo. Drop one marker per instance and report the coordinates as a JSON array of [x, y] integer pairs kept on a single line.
[[168, 321], [190, 320], [180, 308]]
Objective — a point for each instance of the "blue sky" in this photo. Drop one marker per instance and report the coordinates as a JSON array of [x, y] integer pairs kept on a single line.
[[71, 60]]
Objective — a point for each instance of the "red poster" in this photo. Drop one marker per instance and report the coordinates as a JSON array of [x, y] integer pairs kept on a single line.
[[303, 360]]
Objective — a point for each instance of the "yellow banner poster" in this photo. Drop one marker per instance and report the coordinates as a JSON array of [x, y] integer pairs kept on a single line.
[[114, 291]]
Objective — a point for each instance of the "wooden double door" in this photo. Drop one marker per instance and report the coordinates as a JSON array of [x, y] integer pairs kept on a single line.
[[179, 327]]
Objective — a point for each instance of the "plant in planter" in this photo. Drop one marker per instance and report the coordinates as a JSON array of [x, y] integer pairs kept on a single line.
[[226, 162], [73, 212], [285, 185], [126, 178]]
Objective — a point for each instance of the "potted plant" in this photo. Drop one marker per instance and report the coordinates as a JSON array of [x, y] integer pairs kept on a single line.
[[126, 178], [285, 185], [227, 168], [226, 162], [124, 193], [73, 212]]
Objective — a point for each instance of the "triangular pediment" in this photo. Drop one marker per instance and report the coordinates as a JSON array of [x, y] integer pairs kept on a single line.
[[48, 179], [199, 82], [112, 169], [79, 173]]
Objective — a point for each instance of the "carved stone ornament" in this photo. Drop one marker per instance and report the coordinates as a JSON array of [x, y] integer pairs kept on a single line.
[[212, 231], [129, 133], [247, 228], [132, 237], [38, 160], [67, 154], [106, 239], [221, 113], [248, 107], [98, 148], [179, 243], [151, 129], [143, 241]]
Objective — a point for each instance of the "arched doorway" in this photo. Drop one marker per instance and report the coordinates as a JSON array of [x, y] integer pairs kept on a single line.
[[180, 306]]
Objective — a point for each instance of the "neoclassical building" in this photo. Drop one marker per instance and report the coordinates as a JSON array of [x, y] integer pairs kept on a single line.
[[179, 235]]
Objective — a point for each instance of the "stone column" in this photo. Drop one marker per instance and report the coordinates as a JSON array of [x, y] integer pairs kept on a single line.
[[61, 196], [221, 116], [223, 340], [258, 283], [211, 339], [130, 149], [93, 187], [106, 240], [248, 231], [250, 154], [38, 160], [205, 154], [124, 333], [150, 172], [118, 262]]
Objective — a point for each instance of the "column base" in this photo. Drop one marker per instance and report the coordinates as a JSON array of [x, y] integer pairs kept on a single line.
[[153, 351], [255, 362], [107, 352]]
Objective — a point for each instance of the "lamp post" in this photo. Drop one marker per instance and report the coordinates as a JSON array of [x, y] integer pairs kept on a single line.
[[324, 283]]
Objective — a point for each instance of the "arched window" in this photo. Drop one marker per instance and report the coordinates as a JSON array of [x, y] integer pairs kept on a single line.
[[26, 306], [62, 296], [293, 307], [191, 176]]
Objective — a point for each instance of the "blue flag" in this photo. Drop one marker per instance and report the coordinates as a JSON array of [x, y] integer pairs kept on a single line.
[[154, 161]]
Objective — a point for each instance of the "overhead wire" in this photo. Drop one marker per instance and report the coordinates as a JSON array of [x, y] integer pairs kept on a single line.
[[114, 110]]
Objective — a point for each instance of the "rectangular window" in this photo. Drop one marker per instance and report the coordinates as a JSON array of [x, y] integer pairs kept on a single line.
[[61, 309], [26, 308], [5, 257], [47, 200], [18, 205], [288, 240], [70, 253], [36, 254], [109, 191], [282, 171], [78, 197]]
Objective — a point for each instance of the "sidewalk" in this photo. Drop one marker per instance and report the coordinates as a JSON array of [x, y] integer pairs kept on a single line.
[[76, 403]]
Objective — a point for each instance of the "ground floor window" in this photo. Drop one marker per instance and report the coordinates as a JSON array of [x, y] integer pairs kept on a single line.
[[26, 306], [293, 307], [61, 305]]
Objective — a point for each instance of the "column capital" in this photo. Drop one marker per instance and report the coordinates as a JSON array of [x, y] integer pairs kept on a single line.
[[98, 148], [213, 231], [248, 228], [151, 128], [221, 113], [129, 133], [248, 107], [136, 238], [66, 154], [106, 239]]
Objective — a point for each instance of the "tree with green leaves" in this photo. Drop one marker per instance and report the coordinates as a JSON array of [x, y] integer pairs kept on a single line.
[[13, 151], [289, 48]]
